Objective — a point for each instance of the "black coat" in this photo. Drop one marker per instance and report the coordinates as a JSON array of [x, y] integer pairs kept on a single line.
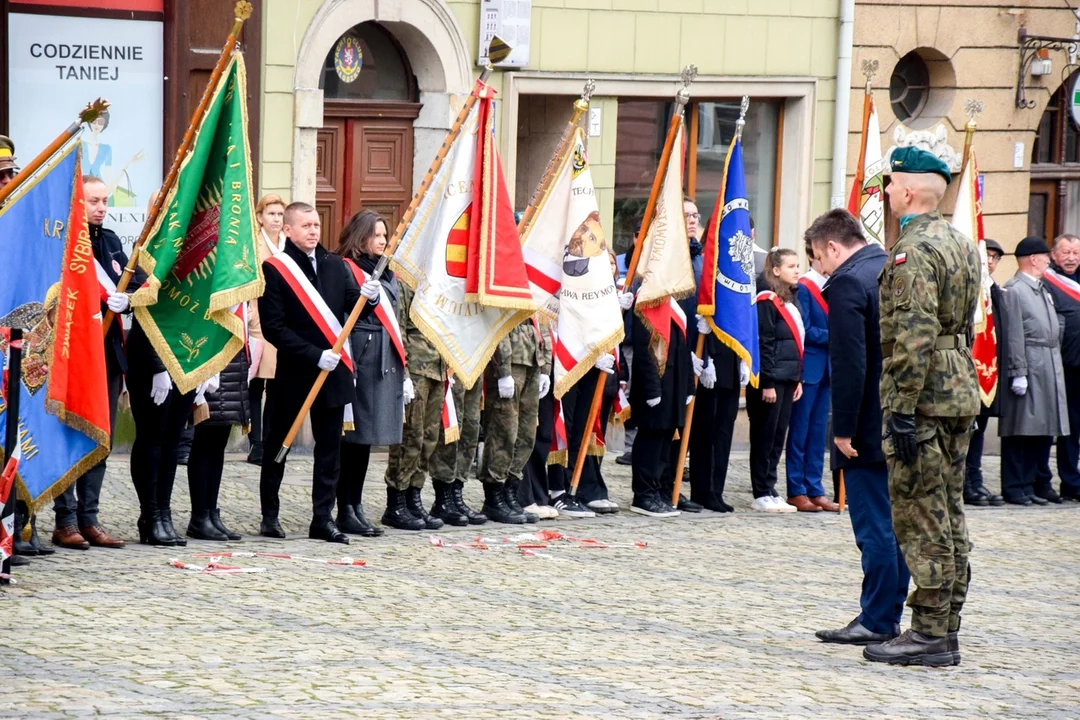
[[230, 404], [855, 356], [142, 359], [1068, 311], [288, 327], [672, 389], [109, 252], [778, 350], [1001, 323]]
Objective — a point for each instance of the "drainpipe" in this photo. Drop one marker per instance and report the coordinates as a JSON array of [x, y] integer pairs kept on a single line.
[[843, 103]]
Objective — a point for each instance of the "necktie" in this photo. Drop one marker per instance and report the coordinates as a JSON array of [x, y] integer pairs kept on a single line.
[[314, 267]]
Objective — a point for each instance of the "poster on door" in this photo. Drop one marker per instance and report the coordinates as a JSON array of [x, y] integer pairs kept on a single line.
[[59, 64]]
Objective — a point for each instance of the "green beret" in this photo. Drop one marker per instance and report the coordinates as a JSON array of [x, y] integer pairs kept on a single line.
[[918, 161]]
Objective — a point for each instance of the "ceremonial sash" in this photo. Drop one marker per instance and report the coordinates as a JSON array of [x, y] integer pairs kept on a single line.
[[313, 303], [558, 452], [106, 286], [621, 409], [451, 432], [785, 314], [815, 292], [387, 317], [1064, 284]]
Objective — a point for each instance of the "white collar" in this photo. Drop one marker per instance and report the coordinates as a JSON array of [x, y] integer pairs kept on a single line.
[[275, 247]]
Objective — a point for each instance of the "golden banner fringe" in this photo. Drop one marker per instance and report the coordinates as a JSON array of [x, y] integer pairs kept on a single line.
[[558, 457], [451, 435], [586, 364]]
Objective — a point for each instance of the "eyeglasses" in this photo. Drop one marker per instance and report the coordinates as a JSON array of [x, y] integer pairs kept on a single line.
[[693, 216]]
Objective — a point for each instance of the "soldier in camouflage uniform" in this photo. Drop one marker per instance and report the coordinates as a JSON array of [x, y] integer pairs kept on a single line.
[[450, 463], [928, 290], [408, 462]]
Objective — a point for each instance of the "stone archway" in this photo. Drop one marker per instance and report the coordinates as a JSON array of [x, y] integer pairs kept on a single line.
[[435, 45]]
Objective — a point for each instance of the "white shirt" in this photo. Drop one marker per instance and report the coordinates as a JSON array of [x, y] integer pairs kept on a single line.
[[815, 277], [314, 266], [791, 308]]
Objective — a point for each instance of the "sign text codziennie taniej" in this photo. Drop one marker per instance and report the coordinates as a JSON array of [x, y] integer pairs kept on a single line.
[[76, 66]]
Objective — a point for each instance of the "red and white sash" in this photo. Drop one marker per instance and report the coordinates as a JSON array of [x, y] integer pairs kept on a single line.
[[384, 310], [106, 286], [313, 303], [451, 431], [785, 314], [621, 409], [1064, 284], [815, 292]]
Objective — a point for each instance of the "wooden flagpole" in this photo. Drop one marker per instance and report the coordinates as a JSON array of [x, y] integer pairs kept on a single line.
[[497, 52], [869, 67], [840, 493], [241, 12], [684, 435], [681, 98]]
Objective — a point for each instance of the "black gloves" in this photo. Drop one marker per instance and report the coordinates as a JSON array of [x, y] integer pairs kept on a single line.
[[902, 430]]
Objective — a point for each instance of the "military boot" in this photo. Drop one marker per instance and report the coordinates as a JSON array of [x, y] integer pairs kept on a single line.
[[510, 492], [415, 505], [397, 515], [912, 648], [445, 508], [458, 490], [495, 506]]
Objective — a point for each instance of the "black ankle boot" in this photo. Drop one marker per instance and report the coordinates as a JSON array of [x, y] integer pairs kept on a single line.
[[215, 519], [347, 521], [369, 529], [510, 493], [200, 528], [495, 506], [20, 546], [166, 523], [445, 508], [35, 541], [397, 515], [152, 530], [457, 490], [415, 504]]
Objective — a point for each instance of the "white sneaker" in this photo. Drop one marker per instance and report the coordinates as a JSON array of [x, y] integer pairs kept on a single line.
[[783, 507], [763, 504], [547, 512]]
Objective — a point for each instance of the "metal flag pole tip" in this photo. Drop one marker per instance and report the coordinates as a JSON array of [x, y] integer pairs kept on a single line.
[[688, 75], [582, 103], [973, 108], [869, 70], [741, 122], [242, 11]]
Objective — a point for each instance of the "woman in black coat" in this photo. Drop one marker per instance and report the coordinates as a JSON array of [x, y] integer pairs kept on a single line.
[[768, 406], [224, 401]]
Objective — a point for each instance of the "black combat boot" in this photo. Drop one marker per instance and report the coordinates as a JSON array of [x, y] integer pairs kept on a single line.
[[510, 493], [201, 528], [445, 508], [415, 505], [912, 648], [495, 506], [458, 489], [397, 515]]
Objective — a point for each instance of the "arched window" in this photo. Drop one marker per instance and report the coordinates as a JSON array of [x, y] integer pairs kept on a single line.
[[366, 63]]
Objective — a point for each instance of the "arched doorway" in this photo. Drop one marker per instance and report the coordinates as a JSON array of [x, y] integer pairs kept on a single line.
[[364, 151], [1054, 204]]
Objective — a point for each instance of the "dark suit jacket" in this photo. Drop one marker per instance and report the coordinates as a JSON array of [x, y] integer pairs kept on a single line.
[[855, 354], [288, 327], [672, 389], [815, 367], [1068, 311], [109, 250]]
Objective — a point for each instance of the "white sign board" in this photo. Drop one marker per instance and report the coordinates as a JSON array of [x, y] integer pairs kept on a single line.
[[511, 20], [58, 65]]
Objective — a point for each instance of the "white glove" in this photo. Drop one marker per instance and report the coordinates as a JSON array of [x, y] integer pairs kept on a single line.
[[407, 390], [1019, 385], [213, 384], [703, 325], [744, 374], [606, 363], [626, 300], [653, 402], [160, 387], [699, 365], [506, 387], [689, 399], [200, 394], [708, 375], [545, 385], [370, 290], [118, 302], [329, 360]]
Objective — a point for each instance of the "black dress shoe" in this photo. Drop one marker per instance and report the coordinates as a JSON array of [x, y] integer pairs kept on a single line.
[[627, 458], [19, 561], [912, 648], [325, 529], [854, 633], [1049, 496], [995, 500], [347, 521], [1024, 500], [689, 505], [271, 528], [23, 547], [367, 528], [1038, 500], [1068, 495]]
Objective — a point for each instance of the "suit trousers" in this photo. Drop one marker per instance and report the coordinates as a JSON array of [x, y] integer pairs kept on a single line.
[[885, 574], [768, 429], [206, 464], [534, 487], [652, 453], [715, 412], [575, 406], [79, 503], [354, 466], [1068, 446], [1021, 458], [805, 460], [326, 426], [973, 475]]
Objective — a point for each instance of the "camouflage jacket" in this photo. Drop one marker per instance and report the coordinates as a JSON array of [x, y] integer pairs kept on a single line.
[[423, 360], [522, 346], [928, 290]]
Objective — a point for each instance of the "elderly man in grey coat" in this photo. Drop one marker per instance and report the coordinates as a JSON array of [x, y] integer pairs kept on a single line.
[[1034, 410]]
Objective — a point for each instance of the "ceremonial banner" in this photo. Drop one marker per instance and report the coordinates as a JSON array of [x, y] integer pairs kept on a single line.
[[728, 286], [566, 254], [967, 218], [49, 288], [433, 259], [201, 256], [867, 200]]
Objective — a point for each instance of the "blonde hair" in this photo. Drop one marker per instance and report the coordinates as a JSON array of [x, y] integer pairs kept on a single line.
[[267, 200]]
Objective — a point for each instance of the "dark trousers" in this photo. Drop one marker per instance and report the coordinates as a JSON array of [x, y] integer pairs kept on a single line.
[[885, 574], [1068, 446], [768, 430], [973, 476], [79, 503], [652, 453], [806, 441], [256, 389], [715, 412], [354, 464], [534, 486], [157, 432], [326, 429], [205, 465], [575, 406], [1021, 457]]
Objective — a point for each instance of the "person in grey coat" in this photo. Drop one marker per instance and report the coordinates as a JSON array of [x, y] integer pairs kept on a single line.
[[1034, 409], [382, 386]]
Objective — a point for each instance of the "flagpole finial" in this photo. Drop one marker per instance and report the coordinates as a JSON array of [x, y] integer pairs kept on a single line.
[[93, 111], [869, 70], [687, 76], [242, 11], [741, 122], [973, 108], [582, 103]]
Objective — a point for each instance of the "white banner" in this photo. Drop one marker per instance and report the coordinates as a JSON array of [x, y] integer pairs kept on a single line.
[[59, 64]]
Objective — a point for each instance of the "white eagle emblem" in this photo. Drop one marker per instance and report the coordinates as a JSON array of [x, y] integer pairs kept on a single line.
[[741, 250]]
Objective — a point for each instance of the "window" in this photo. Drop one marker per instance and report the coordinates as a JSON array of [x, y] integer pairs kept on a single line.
[[909, 86], [366, 63]]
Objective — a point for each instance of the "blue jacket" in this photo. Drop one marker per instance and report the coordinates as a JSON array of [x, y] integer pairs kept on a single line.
[[855, 354], [815, 367]]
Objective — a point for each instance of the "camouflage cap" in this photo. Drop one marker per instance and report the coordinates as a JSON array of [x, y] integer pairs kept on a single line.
[[918, 161], [7, 154]]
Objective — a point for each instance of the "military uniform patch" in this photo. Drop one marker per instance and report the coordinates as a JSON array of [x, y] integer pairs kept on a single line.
[[900, 286], [900, 259]]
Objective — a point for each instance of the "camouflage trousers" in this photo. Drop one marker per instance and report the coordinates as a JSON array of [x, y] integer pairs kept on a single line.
[[510, 425], [408, 461], [451, 461], [928, 519]]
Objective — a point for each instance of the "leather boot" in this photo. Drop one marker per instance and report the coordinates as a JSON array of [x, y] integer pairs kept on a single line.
[[912, 648], [368, 528], [42, 549], [397, 515], [152, 530], [347, 521], [255, 455], [271, 528], [415, 504], [20, 546], [445, 508], [458, 490], [215, 519], [200, 528], [166, 523], [510, 494], [495, 506]]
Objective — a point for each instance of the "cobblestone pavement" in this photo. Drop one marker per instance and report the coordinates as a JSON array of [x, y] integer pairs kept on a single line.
[[714, 619]]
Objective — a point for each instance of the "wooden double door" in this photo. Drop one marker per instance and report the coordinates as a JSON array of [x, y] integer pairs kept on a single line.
[[364, 162]]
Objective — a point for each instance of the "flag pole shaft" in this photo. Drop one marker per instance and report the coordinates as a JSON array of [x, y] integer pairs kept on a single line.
[[242, 13], [840, 492], [684, 435], [406, 219], [860, 167], [42, 157], [969, 134], [11, 428]]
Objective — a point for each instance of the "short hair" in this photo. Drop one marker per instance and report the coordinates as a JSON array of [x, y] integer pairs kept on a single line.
[[294, 209], [688, 199], [837, 225], [87, 179], [1069, 237], [267, 200]]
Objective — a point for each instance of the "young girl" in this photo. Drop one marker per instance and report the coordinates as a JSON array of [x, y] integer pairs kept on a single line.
[[780, 348]]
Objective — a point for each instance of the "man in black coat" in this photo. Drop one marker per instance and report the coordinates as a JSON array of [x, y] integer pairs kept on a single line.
[[303, 351], [855, 356]]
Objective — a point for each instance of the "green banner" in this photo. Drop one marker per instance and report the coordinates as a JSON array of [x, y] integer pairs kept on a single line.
[[201, 257]]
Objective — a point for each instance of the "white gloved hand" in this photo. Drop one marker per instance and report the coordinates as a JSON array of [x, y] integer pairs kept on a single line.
[[1020, 385], [744, 374], [652, 402], [545, 385], [329, 360], [370, 290], [626, 300], [699, 365], [118, 302], [606, 363], [160, 387], [689, 399], [708, 375], [703, 325], [407, 390], [506, 387], [200, 395], [213, 384]]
